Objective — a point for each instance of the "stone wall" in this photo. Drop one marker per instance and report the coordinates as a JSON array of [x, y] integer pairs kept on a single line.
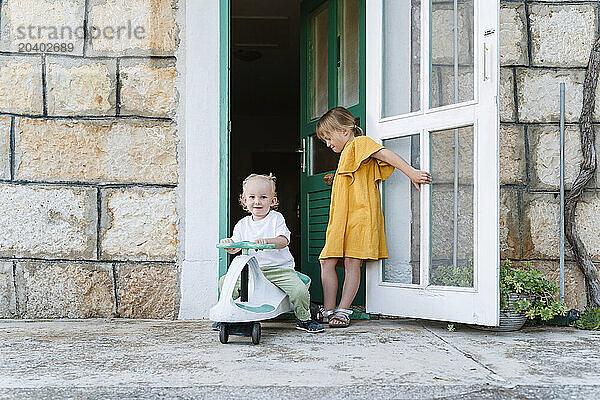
[[544, 43], [88, 158]]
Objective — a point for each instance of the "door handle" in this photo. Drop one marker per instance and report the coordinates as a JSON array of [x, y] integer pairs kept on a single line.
[[302, 150], [485, 62], [487, 67]]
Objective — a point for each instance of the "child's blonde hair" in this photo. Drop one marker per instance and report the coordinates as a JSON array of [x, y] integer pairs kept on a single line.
[[269, 178], [336, 120]]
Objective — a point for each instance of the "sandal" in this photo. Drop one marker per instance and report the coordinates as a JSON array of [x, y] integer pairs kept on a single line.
[[341, 317], [319, 314]]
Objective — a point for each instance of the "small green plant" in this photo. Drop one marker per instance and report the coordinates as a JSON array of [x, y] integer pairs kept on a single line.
[[451, 328], [589, 319], [541, 294]]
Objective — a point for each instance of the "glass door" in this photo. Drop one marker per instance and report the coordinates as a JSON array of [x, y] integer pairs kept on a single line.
[[431, 89]]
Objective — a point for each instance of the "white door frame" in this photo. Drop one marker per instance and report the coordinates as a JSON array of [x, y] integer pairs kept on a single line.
[[199, 62]]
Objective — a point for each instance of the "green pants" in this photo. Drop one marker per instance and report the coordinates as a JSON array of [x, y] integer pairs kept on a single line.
[[290, 282]]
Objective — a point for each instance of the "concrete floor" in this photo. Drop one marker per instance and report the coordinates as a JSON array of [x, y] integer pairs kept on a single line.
[[401, 358]]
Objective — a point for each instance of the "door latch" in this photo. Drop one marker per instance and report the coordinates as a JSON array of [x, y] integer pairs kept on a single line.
[[302, 150]]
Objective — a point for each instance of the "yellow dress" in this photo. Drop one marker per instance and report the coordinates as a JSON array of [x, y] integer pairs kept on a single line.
[[356, 227]]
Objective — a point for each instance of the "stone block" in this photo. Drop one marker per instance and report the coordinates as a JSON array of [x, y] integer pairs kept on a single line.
[[541, 226], [139, 224], [510, 239], [5, 123], [42, 22], [544, 156], [47, 221], [99, 151], [562, 35], [65, 290], [538, 94], [512, 161], [148, 290], [575, 295], [587, 218], [513, 34], [81, 86], [7, 291], [122, 27], [21, 85], [507, 95], [148, 87]]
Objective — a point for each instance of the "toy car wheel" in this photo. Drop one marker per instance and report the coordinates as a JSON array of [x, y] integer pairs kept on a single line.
[[256, 333], [224, 333]]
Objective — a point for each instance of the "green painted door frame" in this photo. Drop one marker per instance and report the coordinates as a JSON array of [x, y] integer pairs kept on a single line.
[[315, 194], [224, 127], [310, 184]]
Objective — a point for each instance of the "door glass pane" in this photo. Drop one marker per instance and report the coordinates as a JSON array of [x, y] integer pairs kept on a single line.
[[322, 158], [452, 52], [401, 62], [318, 63], [348, 72], [401, 206], [451, 261]]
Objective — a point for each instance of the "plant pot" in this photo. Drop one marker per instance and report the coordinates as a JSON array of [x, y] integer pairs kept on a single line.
[[510, 320]]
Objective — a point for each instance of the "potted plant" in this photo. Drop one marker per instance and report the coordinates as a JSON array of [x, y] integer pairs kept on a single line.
[[525, 294]]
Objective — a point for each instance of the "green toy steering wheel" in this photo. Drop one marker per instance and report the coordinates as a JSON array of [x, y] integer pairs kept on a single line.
[[245, 245]]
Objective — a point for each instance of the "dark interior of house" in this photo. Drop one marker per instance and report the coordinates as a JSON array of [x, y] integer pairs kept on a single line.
[[265, 103]]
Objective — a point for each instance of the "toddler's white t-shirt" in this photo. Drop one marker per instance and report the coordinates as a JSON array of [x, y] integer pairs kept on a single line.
[[271, 226]]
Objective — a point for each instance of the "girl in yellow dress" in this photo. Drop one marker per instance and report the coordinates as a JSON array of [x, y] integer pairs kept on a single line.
[[355, 232]]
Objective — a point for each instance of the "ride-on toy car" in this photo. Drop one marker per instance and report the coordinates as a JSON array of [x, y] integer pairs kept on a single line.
[[259, 299]]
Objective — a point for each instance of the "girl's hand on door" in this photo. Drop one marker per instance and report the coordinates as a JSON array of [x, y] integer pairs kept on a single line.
[[416, 176], [419, 176]]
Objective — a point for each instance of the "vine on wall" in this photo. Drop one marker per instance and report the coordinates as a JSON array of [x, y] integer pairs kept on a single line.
[[586, 173]]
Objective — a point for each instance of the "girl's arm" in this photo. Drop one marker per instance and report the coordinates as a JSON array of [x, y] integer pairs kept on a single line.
[[280, 241], [416, 176]]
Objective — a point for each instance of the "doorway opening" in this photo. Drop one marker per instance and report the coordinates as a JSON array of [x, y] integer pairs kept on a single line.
[[265, 104], [282, 56]]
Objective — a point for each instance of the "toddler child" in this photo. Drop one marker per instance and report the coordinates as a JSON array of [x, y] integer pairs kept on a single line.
[[267, 226]]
